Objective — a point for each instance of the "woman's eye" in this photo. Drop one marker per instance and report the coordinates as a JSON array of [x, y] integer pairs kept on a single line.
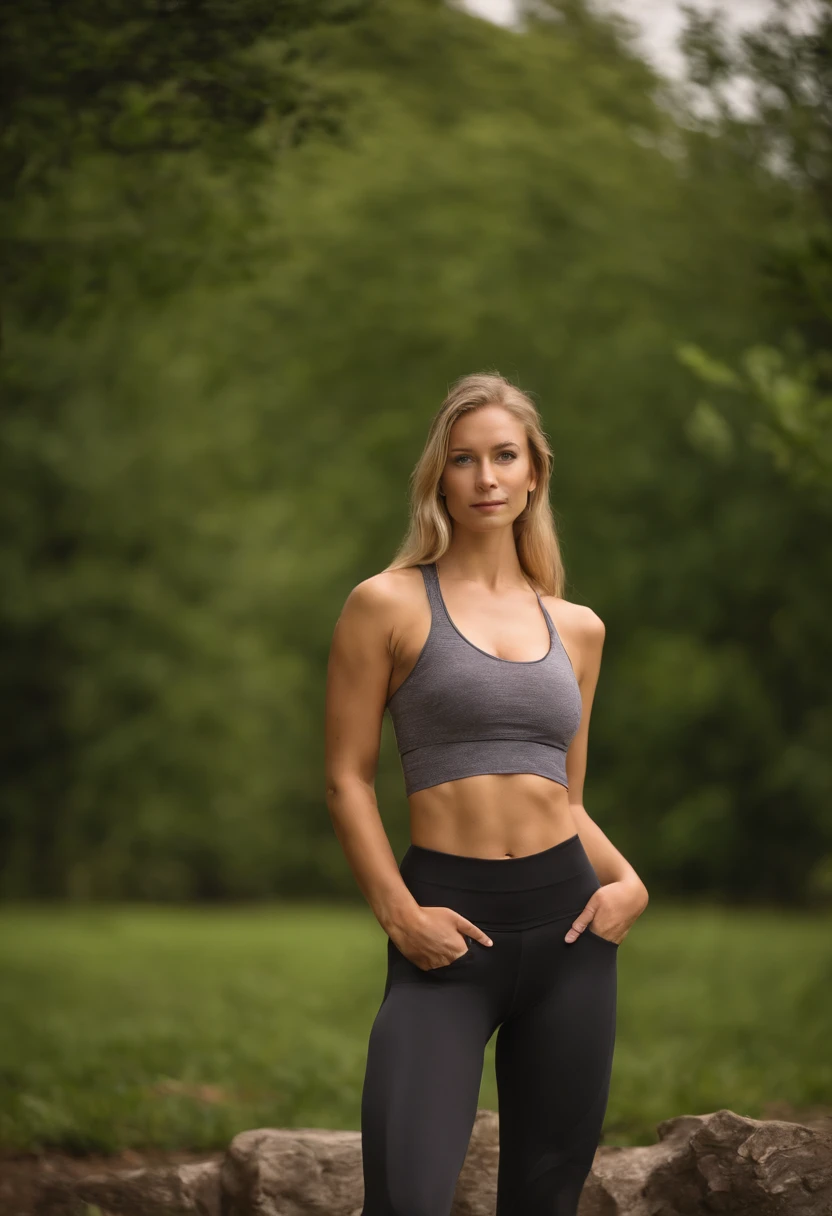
[[459, 459]]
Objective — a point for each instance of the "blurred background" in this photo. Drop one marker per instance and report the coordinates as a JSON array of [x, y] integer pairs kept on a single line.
[[247, 247]]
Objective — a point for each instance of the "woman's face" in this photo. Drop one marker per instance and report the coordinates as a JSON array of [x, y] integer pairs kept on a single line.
[[488, 461]]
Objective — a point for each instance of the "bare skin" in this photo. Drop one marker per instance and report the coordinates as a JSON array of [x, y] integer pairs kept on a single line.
[[376, 642]]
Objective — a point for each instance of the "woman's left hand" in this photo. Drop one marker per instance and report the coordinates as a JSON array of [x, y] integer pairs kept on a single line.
[[611, 910]]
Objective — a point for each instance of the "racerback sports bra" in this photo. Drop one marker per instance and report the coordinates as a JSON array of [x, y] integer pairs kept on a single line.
[[462, 712]]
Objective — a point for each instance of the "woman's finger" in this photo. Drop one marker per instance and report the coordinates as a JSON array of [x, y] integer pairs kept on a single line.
[[581, 921], [474, 931]]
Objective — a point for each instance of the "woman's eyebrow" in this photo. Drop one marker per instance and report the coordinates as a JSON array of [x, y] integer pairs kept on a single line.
[[507, 443]]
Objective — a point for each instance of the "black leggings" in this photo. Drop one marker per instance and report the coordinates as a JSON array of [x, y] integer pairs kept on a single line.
[[554, 1003]]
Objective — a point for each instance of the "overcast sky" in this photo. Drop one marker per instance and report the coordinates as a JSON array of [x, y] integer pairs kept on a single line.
[[660, 20]]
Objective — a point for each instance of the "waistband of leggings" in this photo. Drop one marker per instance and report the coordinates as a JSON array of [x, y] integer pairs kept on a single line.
[[557, 864], [503, 893]]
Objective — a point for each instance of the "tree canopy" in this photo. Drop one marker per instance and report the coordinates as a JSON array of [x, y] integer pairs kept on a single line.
[[249, 247]]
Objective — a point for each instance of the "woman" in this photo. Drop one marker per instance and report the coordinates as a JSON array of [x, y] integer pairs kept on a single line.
[[509, 905]]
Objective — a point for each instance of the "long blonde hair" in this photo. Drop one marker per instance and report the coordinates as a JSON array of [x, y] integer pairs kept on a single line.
[[429, 531]]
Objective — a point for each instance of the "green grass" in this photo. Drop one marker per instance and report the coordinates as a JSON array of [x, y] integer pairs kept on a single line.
[[133, 1027]]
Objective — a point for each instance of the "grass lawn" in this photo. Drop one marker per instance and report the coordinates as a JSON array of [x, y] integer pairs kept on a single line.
[[136, 1027]]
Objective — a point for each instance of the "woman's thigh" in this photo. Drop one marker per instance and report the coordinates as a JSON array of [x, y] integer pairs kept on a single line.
[[421, 1088], [553, 1062]]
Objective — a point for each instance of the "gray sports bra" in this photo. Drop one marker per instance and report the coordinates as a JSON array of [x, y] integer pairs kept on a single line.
[[461, 711]]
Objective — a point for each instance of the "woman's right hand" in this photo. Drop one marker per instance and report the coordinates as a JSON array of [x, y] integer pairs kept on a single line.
[[435, 937]]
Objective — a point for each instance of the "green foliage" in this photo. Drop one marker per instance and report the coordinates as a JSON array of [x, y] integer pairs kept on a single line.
[[789, 125], [793, 424], [773, 399], [154, 76], [232, 311]]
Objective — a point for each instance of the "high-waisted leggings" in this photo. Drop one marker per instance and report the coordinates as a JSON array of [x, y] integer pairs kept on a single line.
[[555, 1005]]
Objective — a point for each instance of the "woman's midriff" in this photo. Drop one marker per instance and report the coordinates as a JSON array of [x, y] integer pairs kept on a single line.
[[494, 815]]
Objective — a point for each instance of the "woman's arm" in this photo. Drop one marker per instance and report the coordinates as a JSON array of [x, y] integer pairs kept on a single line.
[[358, 676], [586, 635], [360, 665]]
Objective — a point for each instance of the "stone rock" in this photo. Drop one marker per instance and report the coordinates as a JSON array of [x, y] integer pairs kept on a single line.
[[476, 1188], [313, 1172], [180, 1190], [719, 1162], [716, 1163], [305, 1171]]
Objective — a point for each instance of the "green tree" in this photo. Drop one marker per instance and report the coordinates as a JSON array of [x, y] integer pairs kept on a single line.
[[222, 369], [774, 400]]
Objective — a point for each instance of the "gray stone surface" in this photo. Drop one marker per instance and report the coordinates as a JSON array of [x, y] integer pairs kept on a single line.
[[715, 1163], [177, 1190], [293, 1172], [720, 1162]]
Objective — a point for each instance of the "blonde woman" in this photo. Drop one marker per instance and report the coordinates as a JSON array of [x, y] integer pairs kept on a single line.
[[509, 905]]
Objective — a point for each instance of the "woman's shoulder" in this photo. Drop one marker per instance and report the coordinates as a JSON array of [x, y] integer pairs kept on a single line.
[[386, 593], [580, 620]]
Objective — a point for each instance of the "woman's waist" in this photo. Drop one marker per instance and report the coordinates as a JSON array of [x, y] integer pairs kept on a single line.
[[502, 816]]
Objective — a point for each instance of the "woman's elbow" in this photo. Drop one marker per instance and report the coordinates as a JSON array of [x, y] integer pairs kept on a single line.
[[344, 785]]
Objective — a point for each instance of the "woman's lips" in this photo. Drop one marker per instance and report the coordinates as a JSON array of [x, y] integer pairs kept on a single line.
[[488, 506]]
